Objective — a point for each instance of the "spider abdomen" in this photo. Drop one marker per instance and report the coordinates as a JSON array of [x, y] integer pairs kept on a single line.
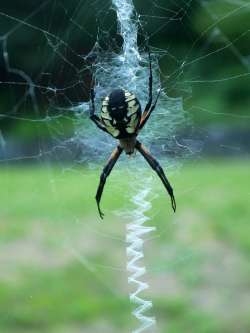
[[121, 114]]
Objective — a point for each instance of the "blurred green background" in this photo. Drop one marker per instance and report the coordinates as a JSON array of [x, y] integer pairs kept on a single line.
[[62, 271]]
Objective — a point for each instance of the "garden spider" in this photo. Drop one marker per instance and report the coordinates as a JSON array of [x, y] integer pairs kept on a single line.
[[121, 117]]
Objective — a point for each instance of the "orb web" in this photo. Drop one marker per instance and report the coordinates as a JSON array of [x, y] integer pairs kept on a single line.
[[52, 96]]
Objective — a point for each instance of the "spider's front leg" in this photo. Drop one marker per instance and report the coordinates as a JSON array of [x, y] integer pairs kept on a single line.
[[158, 169], [105, 173]]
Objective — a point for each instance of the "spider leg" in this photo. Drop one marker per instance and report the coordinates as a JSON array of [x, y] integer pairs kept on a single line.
[[147, 114], [92, 114], [150, 84], [158, 169], [150, 88], [105, 173], [149, 107]]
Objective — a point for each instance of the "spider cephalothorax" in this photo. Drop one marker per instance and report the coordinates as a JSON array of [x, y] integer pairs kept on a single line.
[[122, 118]]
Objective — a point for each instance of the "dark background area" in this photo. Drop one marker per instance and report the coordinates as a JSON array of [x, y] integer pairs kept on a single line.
[[206, 61]]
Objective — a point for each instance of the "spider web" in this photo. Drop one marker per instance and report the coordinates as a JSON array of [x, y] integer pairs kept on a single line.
[[47, 85]]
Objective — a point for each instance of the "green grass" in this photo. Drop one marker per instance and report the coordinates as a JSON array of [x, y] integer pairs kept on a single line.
[[64, 271]]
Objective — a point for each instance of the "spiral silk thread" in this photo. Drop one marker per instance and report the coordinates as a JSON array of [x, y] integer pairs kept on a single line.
[[135, 232], [129, 59]]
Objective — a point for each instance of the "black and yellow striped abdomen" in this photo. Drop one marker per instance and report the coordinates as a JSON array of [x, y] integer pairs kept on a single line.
[[121, 114]]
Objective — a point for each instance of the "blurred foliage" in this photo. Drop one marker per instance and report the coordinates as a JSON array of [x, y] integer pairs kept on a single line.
[[64, 267]]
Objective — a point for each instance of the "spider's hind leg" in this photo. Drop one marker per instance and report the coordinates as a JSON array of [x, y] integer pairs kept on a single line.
[[105, 173], [150, 83], [158, 169], [92, 114], [92, 97], [149, 108]]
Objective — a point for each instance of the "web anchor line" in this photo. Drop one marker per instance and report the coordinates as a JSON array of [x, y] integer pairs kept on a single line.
[[135, 232]]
